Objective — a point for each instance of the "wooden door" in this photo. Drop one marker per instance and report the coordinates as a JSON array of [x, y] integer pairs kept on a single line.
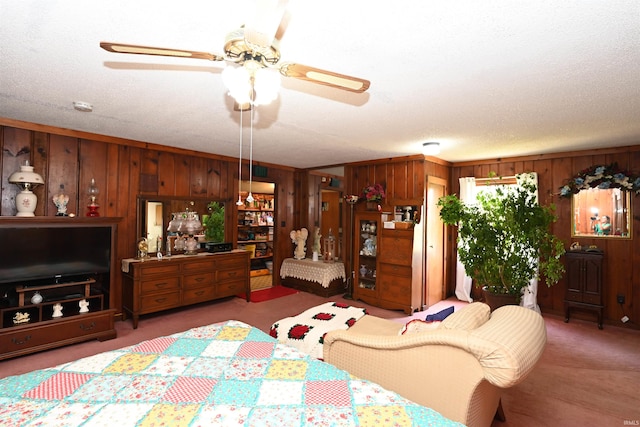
[[435, 243]]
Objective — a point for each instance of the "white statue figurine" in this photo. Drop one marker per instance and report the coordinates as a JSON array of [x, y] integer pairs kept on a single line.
[[84, 306], [57, 310], [299, 237], [316, 244]]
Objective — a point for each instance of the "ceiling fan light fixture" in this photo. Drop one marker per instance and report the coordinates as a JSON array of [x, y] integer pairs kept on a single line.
[[242, 81], [430, 148]]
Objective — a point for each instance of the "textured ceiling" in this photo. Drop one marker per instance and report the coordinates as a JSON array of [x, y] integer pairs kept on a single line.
[[487, 79]]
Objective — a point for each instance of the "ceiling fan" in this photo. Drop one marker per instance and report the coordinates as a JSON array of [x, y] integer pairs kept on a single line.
[[255, 46]]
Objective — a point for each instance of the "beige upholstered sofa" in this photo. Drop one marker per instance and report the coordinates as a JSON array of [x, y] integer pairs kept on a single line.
[[459, 368]]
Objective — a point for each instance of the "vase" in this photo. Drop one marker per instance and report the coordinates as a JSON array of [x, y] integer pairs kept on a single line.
[[372, 206]]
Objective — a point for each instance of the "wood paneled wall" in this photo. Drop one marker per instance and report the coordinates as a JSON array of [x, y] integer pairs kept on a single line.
[[124, 169], [621, 273]]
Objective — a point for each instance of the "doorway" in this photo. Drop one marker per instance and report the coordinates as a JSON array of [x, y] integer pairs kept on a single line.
[[435, 243], [256, 230], [330, 217]]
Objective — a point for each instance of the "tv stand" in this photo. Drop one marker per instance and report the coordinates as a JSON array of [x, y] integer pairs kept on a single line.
[[67, 309]]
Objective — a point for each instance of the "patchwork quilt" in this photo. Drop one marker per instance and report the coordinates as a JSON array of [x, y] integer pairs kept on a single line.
[[222, 374]]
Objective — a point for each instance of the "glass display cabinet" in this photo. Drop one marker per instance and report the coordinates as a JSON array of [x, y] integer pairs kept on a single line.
[[366, 230]]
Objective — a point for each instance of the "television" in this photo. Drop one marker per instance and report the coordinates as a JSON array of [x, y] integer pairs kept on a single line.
[[31, 255]]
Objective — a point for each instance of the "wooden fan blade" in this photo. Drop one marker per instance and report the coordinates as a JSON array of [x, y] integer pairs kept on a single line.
[[159, 51], [264, 25], [323, 77], [284, 23]]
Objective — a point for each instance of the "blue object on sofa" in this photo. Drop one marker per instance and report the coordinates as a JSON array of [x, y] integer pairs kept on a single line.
[[439, 316]]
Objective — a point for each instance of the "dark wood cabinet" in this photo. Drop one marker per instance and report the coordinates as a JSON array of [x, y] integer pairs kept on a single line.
[[150, 286], [387, 275], [584, 283]]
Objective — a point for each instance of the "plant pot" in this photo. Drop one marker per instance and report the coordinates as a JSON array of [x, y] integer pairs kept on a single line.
[[372, 206], [495, 301]]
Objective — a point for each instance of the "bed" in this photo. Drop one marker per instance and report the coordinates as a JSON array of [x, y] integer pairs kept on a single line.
[[227, 373]]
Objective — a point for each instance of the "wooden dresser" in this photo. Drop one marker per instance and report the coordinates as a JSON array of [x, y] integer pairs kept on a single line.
[[150, 286]]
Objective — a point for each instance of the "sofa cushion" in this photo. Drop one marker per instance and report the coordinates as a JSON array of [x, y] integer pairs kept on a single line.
[[468, 318]]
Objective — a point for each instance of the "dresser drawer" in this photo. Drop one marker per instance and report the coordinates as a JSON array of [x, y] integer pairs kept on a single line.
[[197, 265], [194, 296], [159, 285], [395, 270], [233, 261], [395, 288], [157, 268], [232, 274], [159, 301], [197, 280], [54, 333], [230, 288]]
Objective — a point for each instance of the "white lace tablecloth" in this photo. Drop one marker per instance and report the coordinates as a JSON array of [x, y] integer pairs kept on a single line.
[[313, 271]]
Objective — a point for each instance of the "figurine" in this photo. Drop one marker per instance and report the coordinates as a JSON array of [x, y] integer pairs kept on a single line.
[[20, 318], [57, 310], [61, 200], [316, 244], [299, 237], [84, 306]]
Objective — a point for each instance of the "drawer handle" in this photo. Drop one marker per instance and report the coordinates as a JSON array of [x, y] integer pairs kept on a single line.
[[232, 273], [161, 299], [200, 279], [199, 293], [16, 341], [88, 327], [161, 285]]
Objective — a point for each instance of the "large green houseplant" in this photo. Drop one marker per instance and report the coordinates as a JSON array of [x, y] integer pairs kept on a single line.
[[504, 240]]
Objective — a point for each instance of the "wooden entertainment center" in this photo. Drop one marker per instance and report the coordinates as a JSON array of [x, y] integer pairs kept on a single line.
[[39, 313]]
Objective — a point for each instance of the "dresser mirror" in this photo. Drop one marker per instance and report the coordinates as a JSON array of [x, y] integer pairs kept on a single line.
[[155, 212], [601, 213]]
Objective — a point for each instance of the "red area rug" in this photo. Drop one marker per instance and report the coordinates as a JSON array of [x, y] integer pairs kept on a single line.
[[269, 293]]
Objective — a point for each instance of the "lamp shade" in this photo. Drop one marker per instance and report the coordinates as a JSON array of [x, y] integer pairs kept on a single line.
[[26, 175], [26, 178]]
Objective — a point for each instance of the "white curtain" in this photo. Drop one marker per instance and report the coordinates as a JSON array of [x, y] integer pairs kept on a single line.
[[463, 282], [530, 297], [468, 192]]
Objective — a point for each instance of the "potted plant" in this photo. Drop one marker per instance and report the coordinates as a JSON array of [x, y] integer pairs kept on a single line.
[[504, 240], [214, 223], [373, 194]]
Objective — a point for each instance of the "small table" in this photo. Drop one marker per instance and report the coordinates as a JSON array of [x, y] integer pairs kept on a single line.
[[317, 277]]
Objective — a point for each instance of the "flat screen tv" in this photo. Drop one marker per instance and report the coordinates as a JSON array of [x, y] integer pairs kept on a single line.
[[38, 253]]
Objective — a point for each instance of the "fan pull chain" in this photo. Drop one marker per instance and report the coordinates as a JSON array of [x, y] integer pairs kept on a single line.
[[239, 202]]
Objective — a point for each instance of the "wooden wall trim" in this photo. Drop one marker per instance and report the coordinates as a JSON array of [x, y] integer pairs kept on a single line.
[[551, 156], [128, 142]]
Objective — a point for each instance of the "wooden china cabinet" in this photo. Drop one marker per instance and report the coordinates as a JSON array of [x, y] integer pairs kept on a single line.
[[387, 275]]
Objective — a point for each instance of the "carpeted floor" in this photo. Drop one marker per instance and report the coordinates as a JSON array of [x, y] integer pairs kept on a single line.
[[586, 377]]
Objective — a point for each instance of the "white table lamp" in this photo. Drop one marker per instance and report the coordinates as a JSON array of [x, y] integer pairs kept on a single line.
[[26, 178]]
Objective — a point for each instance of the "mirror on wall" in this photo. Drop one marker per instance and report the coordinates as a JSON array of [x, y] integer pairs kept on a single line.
[[604, 213], [155, 212]]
